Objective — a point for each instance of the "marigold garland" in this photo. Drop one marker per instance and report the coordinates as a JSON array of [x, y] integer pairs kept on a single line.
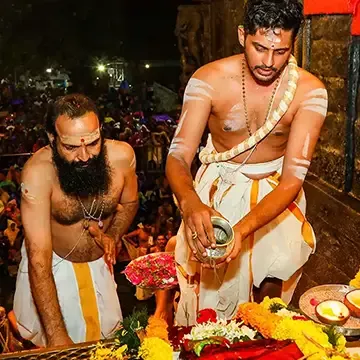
[[268, 302], [300, 332], [157, 327], [309, 337], [155, 349], [259, 318], [103, 353], [356, 281]]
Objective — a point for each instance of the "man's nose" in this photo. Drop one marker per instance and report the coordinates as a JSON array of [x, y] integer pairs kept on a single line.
[[83, 154], [268, 59]]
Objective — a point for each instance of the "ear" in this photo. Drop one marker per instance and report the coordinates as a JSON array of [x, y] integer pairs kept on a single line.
[[241, 35], [51, 138]]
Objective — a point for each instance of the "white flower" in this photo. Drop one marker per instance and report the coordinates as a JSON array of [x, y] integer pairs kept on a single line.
[[230, 331], [286, 313], [168, 281]]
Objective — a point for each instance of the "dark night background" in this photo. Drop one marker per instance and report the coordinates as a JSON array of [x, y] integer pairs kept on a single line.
[[39, 33]]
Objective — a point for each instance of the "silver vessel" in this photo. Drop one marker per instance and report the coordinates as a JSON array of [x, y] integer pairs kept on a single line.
[[224, 236]]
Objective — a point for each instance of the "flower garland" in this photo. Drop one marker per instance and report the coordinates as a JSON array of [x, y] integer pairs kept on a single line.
[[157, 327], [153, 348], [267, 303], [103, 353], [311, 338], [141, 337], [356, 281], [259, 318], [231, 331]]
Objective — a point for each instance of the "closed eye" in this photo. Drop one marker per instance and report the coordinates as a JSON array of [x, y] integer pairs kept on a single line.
[[70, 147], [260, 48], [94, 143]]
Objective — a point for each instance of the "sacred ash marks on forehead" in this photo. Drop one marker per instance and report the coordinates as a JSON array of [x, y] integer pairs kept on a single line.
[[80, 139], [78, 131], [272, 35]]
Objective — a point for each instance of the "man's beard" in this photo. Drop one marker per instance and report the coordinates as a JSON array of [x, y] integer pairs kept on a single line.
[[83, 178], [276, 72]]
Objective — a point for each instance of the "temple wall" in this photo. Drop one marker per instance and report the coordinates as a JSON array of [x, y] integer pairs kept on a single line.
[[226, 16], [328, 59], [335, 216]]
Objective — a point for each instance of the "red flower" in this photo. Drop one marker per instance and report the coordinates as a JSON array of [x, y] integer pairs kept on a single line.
[[206, 315], [156, 271]]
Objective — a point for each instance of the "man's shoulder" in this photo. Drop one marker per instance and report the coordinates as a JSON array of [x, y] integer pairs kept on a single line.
[[38, 174], [308, 82], [119, 152], [219, 69], [40, 164]]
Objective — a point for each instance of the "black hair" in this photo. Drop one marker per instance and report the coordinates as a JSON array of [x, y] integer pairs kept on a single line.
[[272, 14], [73, 106]]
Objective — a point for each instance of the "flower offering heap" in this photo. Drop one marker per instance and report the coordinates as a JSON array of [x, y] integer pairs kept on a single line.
[[273, 320], [153, 271], [210, 330]]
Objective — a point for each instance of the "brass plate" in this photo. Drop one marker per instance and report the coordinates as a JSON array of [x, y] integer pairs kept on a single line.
[[329, 292]]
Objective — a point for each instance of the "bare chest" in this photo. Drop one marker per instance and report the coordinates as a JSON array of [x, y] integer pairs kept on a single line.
[[70, 210], [236, 115], [239, 110], [143, 236]]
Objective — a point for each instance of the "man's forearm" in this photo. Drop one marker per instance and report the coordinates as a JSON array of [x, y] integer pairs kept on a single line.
[[271, 206], [180, 179], [44, 292], [122, 220]]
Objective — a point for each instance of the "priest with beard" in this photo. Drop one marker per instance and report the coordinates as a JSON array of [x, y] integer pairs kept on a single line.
[[79, 196]]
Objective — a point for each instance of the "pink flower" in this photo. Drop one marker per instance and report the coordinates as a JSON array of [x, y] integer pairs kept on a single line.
[[155, 271], [136, 280]]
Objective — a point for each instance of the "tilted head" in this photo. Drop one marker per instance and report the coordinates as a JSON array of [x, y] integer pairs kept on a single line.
[[269, 31], [79, 154], [161, 241]]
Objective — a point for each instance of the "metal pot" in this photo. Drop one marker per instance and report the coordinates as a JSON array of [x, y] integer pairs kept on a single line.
[[224, 236]]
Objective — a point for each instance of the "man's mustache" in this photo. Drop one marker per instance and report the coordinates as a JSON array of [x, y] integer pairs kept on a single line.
[[267, 68], [82, 165]]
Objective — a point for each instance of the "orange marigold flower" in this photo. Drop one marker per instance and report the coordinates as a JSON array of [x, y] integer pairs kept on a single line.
[[259, 318], [157, 327]]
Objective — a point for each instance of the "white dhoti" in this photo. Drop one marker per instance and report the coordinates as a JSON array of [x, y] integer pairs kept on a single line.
[[87, 296], [277, 250]]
